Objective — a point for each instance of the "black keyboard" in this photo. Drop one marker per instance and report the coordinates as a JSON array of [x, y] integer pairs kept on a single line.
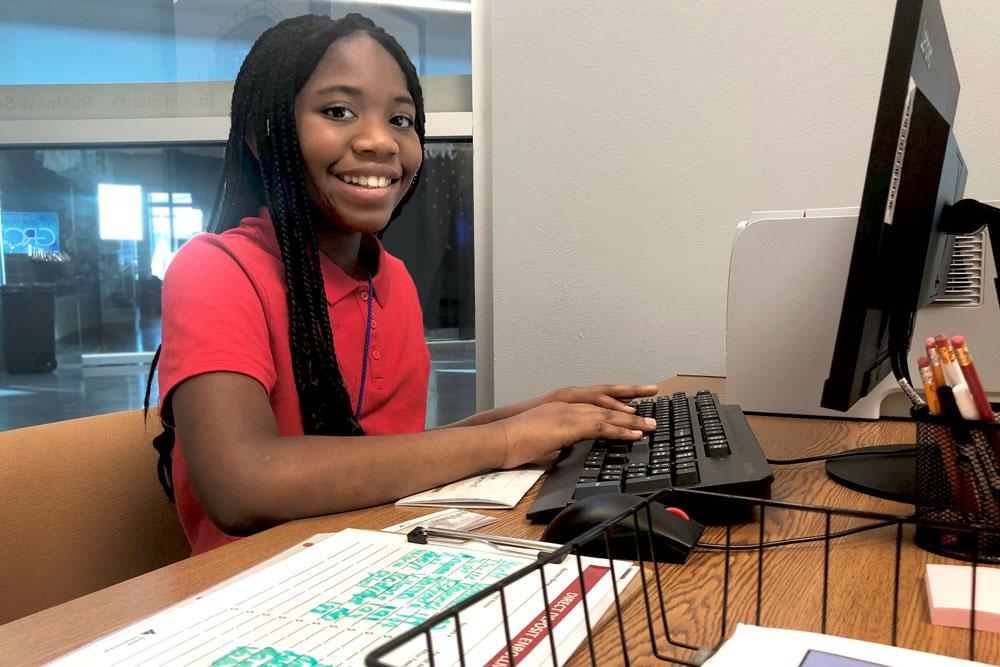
[[698, 444]]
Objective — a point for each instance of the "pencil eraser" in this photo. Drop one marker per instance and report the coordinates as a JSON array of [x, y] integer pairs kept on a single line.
[[957, 341], [923, 362], [929, 342], [941, 340], [949, 596]]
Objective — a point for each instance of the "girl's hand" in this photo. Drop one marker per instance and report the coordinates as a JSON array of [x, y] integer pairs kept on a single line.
[[611, 396], [553, 425]]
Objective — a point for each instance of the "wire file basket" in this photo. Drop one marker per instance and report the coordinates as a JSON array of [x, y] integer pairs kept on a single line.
[[794, 566]]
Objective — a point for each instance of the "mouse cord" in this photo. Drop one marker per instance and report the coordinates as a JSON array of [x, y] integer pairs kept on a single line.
[[793, 540], [909, 450]]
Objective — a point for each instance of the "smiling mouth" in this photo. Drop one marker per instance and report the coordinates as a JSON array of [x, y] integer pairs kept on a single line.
[[373, 182]]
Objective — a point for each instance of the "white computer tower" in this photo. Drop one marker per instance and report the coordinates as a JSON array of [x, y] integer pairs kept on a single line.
[[787, 277]]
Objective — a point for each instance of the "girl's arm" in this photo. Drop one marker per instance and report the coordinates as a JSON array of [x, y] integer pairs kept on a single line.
[[611, 396], [248, 477]]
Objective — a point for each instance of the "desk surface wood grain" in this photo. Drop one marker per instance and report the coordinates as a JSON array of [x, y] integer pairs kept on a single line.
[[860, 582]]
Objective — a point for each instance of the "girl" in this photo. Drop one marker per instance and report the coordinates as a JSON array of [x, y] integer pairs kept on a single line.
[[294, 369]]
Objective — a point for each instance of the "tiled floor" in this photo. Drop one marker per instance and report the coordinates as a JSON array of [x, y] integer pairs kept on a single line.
[[73, 391]]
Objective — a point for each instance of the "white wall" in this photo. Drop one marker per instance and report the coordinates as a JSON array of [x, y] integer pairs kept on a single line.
[[628, 138]]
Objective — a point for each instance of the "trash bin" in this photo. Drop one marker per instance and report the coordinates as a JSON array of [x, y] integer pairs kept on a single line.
[[29, 327]]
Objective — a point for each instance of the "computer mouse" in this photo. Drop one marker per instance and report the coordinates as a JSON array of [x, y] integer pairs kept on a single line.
[[673, 537]]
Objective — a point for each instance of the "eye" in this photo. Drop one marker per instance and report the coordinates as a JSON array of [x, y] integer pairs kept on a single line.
[[339, 113], [402, 121]]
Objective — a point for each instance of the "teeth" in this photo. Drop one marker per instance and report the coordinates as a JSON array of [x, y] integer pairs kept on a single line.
[[367, 181]]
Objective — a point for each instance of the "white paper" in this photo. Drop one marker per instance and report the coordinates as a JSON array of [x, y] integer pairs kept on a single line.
[[335, 601], [752, 645], [500, 489]]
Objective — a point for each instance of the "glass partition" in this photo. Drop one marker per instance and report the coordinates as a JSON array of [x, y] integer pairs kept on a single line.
[[92, 231], [112, 117], [159, 41]]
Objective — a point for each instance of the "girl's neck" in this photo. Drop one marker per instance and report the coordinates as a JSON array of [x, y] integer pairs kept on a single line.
[[348, 251]]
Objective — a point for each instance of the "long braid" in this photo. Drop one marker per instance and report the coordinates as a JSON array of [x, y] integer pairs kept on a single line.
[[263, 107]]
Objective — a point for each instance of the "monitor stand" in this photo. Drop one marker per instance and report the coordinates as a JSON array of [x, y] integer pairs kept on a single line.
[[890, 472]]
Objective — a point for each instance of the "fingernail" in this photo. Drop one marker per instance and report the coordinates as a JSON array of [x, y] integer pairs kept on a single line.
[[627, 408], [637, 434], [650, 422]]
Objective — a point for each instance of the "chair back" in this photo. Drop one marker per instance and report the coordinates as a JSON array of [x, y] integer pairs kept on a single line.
[[81, 509]]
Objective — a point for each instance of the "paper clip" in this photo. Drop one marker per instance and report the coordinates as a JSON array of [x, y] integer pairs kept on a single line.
[[420, 535]]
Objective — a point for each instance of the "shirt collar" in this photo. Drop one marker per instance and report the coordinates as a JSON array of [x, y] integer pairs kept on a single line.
[[338, 283]]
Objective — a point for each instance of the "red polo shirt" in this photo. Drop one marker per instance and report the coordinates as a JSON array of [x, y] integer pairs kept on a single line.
[[224, 309]]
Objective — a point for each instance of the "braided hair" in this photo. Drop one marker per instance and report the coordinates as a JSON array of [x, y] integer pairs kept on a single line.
[[263, 106]]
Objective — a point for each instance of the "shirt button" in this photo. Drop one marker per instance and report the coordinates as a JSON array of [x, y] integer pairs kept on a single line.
[[364, 296], [374, 324], [376, 354]]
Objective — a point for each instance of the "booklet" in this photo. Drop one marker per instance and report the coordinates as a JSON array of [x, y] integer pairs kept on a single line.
[[497, 490]]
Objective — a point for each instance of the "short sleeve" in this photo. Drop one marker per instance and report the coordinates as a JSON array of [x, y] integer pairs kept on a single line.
[[214, 320]]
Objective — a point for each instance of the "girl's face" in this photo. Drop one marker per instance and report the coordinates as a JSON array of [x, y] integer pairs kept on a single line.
[[355, 121]]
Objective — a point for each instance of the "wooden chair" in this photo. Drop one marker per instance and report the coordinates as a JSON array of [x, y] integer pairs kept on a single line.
[[81, 509]]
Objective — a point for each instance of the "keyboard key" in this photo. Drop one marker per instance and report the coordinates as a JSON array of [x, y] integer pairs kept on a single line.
[[648, 484], [587, 489], [718, 449], [684, 450], [640, 454], [686, 476]]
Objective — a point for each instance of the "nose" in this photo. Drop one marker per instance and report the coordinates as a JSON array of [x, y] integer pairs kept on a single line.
[[375, 138]]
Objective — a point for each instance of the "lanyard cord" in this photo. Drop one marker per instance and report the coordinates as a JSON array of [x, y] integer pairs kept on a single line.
[[368, 340]]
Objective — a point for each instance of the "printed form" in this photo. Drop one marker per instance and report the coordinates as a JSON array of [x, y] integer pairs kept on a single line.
[[333, 602]]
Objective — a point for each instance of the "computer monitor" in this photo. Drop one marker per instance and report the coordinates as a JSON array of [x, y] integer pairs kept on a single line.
[[901, 252]]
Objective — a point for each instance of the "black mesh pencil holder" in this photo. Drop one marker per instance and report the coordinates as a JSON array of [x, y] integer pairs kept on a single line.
[[958, 488]]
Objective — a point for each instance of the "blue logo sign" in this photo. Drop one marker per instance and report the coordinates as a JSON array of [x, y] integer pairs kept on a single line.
[[26, 231]]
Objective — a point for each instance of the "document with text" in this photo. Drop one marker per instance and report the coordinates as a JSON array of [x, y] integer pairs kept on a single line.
[[333, 601]]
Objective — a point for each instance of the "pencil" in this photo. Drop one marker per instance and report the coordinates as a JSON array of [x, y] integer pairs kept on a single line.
[[932, 354], [953, 373], [978, 392], [930, 389]]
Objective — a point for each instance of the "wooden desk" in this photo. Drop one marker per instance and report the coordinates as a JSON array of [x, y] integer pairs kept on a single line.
[[860, 581]]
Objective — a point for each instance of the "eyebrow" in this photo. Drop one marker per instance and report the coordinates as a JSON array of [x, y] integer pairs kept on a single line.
[[351, 91]]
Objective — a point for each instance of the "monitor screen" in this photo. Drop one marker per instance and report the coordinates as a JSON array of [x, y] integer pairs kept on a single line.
[[900, 258]]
